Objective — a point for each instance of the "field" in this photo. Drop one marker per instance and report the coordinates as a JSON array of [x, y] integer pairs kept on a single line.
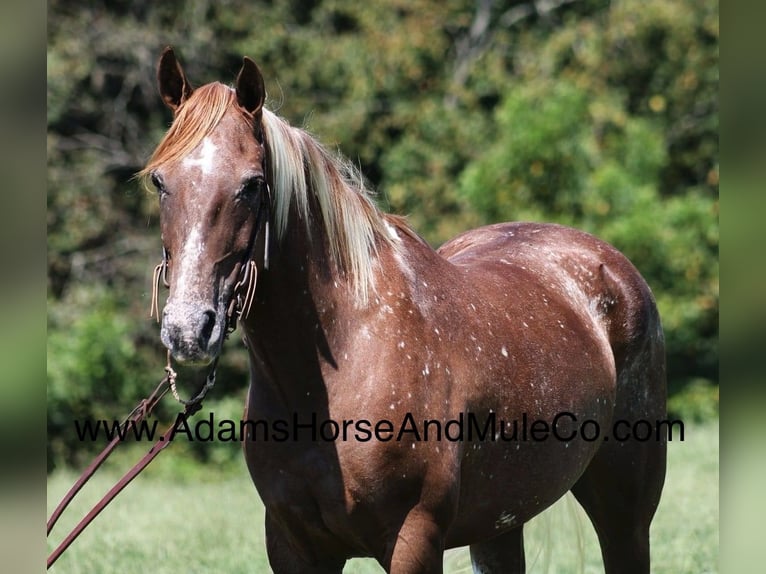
[[208, 520]]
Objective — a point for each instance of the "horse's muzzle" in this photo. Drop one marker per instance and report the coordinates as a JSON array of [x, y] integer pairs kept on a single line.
[[193, 334]]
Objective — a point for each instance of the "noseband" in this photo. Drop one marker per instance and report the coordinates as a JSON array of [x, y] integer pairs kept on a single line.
[[242, 297]]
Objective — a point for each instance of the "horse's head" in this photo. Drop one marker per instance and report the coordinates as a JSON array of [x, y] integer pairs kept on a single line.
[[210, 177]]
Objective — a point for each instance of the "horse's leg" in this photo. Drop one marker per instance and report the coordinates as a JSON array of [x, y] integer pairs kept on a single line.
[[419, 546], [284, 559], [502, 554], [621, 488], [620, 491]]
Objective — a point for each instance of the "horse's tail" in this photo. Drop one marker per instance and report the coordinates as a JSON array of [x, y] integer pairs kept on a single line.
[[621, 487], [637, 340]]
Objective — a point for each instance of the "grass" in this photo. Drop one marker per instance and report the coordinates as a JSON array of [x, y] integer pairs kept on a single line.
[[211, 520]]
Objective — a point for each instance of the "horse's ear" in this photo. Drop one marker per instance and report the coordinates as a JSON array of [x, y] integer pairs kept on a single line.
[[174, 87], [250, 91]]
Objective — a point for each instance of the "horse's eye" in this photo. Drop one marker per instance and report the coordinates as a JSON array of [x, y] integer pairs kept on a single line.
[[252, 188], [158, 183]]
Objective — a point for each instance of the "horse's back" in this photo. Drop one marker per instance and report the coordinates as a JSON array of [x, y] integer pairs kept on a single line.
[[539, 247], [587, 270]]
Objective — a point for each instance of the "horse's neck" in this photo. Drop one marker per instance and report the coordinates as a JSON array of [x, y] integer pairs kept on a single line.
[[303, 303], [307, 314]]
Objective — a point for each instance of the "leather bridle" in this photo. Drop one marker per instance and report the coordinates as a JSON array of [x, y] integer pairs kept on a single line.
[[244, 290]]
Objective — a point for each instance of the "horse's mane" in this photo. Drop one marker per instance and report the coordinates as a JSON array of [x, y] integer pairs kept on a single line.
[[299, 166]]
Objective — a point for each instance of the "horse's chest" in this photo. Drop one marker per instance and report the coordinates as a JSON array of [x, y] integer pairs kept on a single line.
[[296, 479], [306, 495]]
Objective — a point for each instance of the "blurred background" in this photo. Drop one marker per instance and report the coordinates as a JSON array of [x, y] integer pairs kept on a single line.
[[601, 115]]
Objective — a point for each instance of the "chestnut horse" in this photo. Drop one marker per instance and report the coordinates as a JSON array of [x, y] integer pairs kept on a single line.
[[414, 400]]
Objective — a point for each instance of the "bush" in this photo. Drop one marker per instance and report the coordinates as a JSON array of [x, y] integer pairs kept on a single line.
[[94, 370]]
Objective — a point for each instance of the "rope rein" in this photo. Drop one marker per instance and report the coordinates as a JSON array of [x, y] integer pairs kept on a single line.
[[197, 399]]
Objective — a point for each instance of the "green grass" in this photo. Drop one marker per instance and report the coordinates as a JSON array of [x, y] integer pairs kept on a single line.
[[211, 520]]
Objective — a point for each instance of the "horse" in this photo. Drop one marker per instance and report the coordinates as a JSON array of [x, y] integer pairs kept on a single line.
[[414, 399]]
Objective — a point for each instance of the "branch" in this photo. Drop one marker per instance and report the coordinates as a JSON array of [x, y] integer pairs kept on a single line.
[[115, 153], [472, 45], [469, 47]]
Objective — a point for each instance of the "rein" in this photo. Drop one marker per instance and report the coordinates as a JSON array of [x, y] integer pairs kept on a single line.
[[239, 308], [139, 413]]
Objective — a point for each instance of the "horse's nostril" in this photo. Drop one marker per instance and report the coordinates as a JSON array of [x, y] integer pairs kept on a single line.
[[208, 322]]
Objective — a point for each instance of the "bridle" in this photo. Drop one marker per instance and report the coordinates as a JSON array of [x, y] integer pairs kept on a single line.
[[240, 305], [244, 289]]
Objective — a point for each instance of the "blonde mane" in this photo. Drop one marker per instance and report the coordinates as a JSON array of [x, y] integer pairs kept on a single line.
[[299, 167]]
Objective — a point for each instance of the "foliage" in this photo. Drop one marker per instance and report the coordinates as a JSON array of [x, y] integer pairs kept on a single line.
[[94, 370], [696, 401], [597, 114]]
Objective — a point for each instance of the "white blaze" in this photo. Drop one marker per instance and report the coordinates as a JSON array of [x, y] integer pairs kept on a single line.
[[203, 157], [192, 251]]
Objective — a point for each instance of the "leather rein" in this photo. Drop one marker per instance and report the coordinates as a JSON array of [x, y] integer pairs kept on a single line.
[[239, 308]]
